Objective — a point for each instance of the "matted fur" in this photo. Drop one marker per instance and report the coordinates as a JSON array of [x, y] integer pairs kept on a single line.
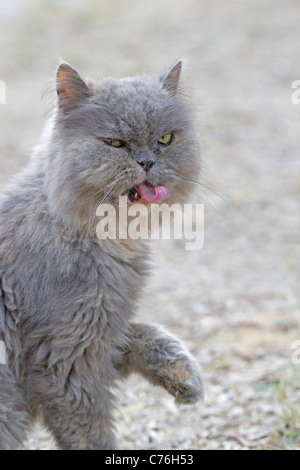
[[66, 298]]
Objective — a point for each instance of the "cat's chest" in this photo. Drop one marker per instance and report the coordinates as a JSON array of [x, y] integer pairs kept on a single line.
[[103, 295], [111, 278]]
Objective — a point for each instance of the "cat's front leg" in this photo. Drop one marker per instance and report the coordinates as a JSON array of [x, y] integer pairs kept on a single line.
[[162, 359]]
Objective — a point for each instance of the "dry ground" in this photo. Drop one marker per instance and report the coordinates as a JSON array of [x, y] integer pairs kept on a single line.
[[235, 302]]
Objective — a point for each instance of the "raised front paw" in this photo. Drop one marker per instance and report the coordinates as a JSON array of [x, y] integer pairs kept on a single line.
[[163, 360], [182, 379]]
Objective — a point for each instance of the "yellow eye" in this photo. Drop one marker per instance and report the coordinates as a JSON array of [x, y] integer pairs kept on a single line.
[[114, 142], [165, 139]]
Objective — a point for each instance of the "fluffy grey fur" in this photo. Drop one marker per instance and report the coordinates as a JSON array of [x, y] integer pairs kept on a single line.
[[67, 298]]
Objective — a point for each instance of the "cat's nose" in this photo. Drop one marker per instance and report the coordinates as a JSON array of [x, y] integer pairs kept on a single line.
[[146, 163]]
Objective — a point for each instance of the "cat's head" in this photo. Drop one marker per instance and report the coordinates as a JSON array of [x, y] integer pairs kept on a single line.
[[132, 136]]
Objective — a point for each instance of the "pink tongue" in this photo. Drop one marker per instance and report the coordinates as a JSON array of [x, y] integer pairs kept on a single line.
[[153, 193]]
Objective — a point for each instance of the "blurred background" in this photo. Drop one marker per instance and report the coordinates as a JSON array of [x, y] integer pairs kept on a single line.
[[235, 303]]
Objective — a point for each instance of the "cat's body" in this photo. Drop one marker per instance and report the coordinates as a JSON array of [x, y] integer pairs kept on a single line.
[[66, 297]]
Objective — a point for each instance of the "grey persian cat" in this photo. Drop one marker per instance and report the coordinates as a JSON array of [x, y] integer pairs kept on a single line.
[[67, 298]]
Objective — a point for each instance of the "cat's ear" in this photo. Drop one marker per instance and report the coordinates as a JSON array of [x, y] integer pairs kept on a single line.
[[71, 88], [171, 78]]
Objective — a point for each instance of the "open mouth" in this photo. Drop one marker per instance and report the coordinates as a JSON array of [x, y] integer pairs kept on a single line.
[[146, 192]]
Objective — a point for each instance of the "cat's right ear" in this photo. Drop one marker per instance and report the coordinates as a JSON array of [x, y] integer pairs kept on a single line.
[[171, 78], [71, 88]]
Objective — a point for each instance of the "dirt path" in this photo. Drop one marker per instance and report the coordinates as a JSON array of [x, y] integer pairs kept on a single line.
[[235, 302]]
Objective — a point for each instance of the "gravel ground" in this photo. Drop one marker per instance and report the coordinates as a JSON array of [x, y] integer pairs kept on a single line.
[[235, 302]]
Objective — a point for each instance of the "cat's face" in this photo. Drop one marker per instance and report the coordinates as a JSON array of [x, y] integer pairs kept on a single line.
[[133, 136]]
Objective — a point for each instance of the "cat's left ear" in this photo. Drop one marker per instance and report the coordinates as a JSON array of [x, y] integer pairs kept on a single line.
[[171, 78], [71, 88]]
